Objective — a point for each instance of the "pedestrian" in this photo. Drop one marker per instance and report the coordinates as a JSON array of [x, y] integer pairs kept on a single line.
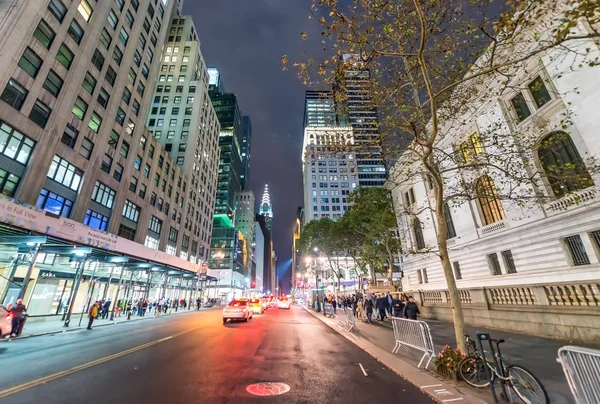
[[198, 302], [144, 307], [397, 306], [106, 309], [18, 312], [411, 310], [381, 306], [334, 305], [129, 306], [369, 310], [389, 304], [93, 313]]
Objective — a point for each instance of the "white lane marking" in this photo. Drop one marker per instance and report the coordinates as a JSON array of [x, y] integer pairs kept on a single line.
[[432, 385], [452, 399], [363, 369]]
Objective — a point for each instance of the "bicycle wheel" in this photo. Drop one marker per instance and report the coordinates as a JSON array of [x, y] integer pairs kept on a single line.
[[527, 386], [474, 372]]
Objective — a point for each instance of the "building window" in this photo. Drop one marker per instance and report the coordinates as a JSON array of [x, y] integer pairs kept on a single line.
[[153, 199], [577, 250], [520, 107], [420, 276], [95, 122], [8, 183], [85, 10], [112, 19], [173, 235], [95, 220], [418, 230], [155, 225], [110, 76], [120, 118], [104, 195], [65, 173], [457, 273], [103, 98], [53, 83], [131, 211], [124, 151], [123, 36], [142, 192], [69, 136], [40, 113], [89, 83], [126, 97], [137, 163], [44, 34], [30, 62], [180, 161], [65, 56], [14, 94], [106, 163], [494, 264], [117, 55], [449, 223], [409, 197], [491, 208], [126, 232], [120, 4], [539, 92], [76, 32], [562, 165], [53, 203], [118, 173], [58, 9], [80, 108], [87, 146], [133, 184], [151, 242], [509, 262], [113, 140], [105, 38], [98, 60]]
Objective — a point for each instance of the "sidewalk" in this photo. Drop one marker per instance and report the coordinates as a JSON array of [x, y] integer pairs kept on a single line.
[[39, 328], [534, 353], [373, 340]]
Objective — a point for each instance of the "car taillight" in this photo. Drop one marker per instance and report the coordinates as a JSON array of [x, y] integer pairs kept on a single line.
[[244, 310]]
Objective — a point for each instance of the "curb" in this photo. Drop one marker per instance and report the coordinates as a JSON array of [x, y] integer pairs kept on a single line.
[[433, 391], [41, 334]]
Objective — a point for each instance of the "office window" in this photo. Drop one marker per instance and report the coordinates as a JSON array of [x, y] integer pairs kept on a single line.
[[120, 4], [124, 151], [151, 151], [173, 235], [451, 231], [170, 134], [145, 71], [146, 171], [140, 89], [103, 98], [105, 38], [153, 199], [182, 147], [495, 267], [491, 208], [129, 127], [126, 95], [137, 58], [96, 220], [87, 147], [177, 99], [155, 225], [539, 92], [184, 135], [181, 79], [106, 163], [173, 122], [113, 139], [188, 111], [117, 55], [186, 123], [120, 118], [53, 203], [157, 134], [118, 173], [40, 113], [150, 54], [160, 122], [89, 83], [95, 122], [175, 111], [183, 68], [65, 56], [110, 76], [142, 191], [104, 195], [520, 107], [69, 136], [190, 99], [44, 34], [65, 173], [131, 211], [58, 9], [85, 10], [418, 232], [129, 19], [76, 32], [180, 160], [15, 145], [509, 262], [30, 62], [135, 107], [53, 83], [179, 89], [133, 184], [14, 94], [98, 59], [126, 232], [577, 250], [80, 108], [123, 36], [138, 162]]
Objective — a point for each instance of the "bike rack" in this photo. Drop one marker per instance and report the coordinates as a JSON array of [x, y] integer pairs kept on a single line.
[[497, 363]]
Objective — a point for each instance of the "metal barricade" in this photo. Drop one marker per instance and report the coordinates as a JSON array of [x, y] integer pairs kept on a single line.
[[582, 370], [413, 334], [350, 324], [328, 310]]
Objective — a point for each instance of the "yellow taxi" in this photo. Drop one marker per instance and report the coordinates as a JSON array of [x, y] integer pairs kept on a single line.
[[256, 306]]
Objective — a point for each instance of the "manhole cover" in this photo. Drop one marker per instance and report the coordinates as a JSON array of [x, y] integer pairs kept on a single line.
[[268, 389]]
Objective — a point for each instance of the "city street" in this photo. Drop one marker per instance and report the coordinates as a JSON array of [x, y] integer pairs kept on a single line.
[[194, 358]]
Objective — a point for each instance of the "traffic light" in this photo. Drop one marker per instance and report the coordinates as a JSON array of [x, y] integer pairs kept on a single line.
[[253, 284]]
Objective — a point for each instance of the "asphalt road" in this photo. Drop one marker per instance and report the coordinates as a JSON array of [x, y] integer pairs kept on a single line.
[[194, 358]]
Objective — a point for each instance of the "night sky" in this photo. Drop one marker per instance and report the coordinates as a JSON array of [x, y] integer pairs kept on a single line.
[[245, 40]]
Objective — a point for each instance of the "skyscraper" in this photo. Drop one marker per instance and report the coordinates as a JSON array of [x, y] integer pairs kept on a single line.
[[184, 121], [244, 221], [266, 208], [246, 149], [228, 252], [362, 114]]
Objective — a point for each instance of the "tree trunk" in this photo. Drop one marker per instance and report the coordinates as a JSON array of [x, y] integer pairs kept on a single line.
[[457, 311]]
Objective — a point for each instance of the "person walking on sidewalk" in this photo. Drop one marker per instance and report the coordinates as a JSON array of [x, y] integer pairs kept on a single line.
[[369, 310], [381, 306], [389, 304], [198, 301], [105, 309], [17, 311], [397, 306], [334, 304], [411, 310], [93, 313]]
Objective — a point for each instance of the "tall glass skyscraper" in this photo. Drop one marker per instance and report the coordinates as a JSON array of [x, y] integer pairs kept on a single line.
[[246, 148]]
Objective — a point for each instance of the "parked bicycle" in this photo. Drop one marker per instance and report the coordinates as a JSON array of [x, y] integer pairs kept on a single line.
[[475, 370]]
